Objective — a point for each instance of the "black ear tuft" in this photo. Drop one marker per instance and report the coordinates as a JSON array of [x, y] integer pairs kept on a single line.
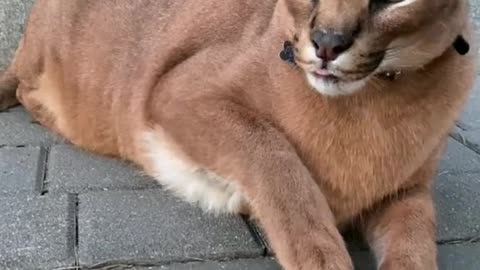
[[287, 53], [461, 45]]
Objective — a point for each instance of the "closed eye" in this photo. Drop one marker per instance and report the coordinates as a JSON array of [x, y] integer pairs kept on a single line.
[[376, 5], [386, 2]]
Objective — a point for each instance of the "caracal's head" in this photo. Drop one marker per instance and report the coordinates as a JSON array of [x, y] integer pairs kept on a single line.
[[341, 44]]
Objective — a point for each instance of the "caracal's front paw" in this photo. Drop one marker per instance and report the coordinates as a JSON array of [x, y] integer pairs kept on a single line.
[[325, 257], [408, 263]]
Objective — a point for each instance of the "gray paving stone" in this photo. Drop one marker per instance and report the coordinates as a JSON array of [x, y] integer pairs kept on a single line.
[[151, 226], [469, 123], [76, 171], [240, 264], [459, 257], [475, 14], [457, 193], [475, 11], [20, 170], [253, 264], [458, 159], [12, 17], [457, 199], [36, 233], [17, 129]]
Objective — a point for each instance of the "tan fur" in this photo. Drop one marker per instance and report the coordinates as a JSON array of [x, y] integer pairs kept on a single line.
[[207, 76]]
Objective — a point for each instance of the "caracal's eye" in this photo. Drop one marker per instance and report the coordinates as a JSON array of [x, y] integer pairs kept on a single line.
[[385, 2], [376, 5]]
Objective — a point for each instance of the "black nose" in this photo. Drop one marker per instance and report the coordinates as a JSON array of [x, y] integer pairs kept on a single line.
[[330, 45]]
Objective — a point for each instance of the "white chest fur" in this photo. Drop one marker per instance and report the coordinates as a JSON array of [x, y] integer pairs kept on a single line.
[[187, 180]]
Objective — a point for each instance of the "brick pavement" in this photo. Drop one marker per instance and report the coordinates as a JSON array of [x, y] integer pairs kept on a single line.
[[62, 208]]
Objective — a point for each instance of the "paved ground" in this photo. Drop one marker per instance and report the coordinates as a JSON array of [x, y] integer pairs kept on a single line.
[[65, 209]]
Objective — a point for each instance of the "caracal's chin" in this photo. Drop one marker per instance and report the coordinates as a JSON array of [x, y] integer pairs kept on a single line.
[[334, 86]]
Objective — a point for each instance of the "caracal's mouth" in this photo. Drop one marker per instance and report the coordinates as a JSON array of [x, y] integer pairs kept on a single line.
[[336, 77], [325, 75], [333, 83]]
